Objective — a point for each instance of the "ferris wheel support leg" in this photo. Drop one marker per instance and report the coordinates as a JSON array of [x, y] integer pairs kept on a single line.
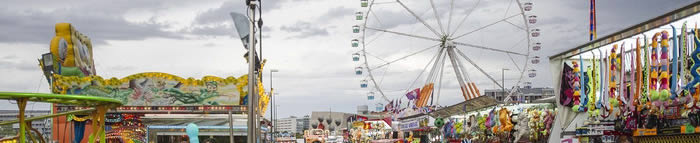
[[460, 79], [479, 68]]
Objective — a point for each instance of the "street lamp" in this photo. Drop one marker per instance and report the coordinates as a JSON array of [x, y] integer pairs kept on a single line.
[[246, 30], [503, 83], [272, 100]]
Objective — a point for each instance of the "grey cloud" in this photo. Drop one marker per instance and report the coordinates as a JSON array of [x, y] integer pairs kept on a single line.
[[9, 57], [335, 13], [304, 30], [217, 30], [38, 27], [217, 21], [209, 45], [221, 13], [22, 66]]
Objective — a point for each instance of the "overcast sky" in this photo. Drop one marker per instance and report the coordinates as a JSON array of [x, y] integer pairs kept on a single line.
[[307, 40]]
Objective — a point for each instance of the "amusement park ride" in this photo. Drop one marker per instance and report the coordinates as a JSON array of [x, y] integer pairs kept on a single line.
[[129, 108], [474, 50], [422, 41]]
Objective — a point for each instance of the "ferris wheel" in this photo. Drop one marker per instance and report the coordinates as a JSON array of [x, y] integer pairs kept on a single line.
[[454, 47]]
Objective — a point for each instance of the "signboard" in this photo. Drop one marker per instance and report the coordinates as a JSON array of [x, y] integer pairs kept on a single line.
[[414, 123], [157, 89]]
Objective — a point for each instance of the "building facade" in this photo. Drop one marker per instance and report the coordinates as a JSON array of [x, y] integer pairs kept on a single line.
[[303, 124], [44, 126], [288, 125], [525, 94]]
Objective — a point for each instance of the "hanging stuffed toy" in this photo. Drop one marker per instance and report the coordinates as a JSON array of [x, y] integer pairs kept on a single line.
[[482, 122], [604, 82], [549, 119], [655, 72], [567, 92], [692, 85], [577, 83], [663, 70], [534, 124], [613, 77], [623, 84], [522, 128], [685, 63], [506, 125], [674, 66], [459, 126], [645, 77], [489, 118], [593, 87], [495, 124]]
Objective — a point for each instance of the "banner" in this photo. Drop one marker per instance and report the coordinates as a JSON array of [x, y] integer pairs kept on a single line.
[[157, 89]]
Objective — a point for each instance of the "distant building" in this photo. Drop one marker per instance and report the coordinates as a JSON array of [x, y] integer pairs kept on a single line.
[[363, 109], [525, 94], [288, 125], [44, 126], [292, 124], [303, 124]]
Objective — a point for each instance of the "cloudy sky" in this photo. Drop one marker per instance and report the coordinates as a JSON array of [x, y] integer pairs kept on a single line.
[[307, 40]]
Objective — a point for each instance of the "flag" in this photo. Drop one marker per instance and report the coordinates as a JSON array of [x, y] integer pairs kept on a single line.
[[399, 105], [396, 106], [389, 106], [413, 94]]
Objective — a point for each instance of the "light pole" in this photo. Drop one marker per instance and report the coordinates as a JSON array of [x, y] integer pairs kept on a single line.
[[272, 110], [245, 23], [503, 83], [252, 97]]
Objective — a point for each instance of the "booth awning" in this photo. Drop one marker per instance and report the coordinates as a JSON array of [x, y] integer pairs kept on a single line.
[[466, 106]]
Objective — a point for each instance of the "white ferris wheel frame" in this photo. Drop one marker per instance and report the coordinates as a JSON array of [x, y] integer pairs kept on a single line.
[[449, 34]]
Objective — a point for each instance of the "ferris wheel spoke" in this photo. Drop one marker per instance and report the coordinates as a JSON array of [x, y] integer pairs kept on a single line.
[[511, 57], [404, 57], [487, 48], [418, 18], [507, 9], [478, 68], [488, 25], [375, 17], [519, 27], [514, 63], [404, 34], [449, 20], [437, 16], [466, 16], [372, 55]]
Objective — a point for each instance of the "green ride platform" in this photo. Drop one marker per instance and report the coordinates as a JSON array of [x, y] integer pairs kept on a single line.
[[100, 104]]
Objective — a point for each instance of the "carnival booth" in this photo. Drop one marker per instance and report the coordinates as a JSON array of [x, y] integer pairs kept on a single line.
[[639, 84], [485, 119], [158, 107], [372, 130], [482, 119]]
